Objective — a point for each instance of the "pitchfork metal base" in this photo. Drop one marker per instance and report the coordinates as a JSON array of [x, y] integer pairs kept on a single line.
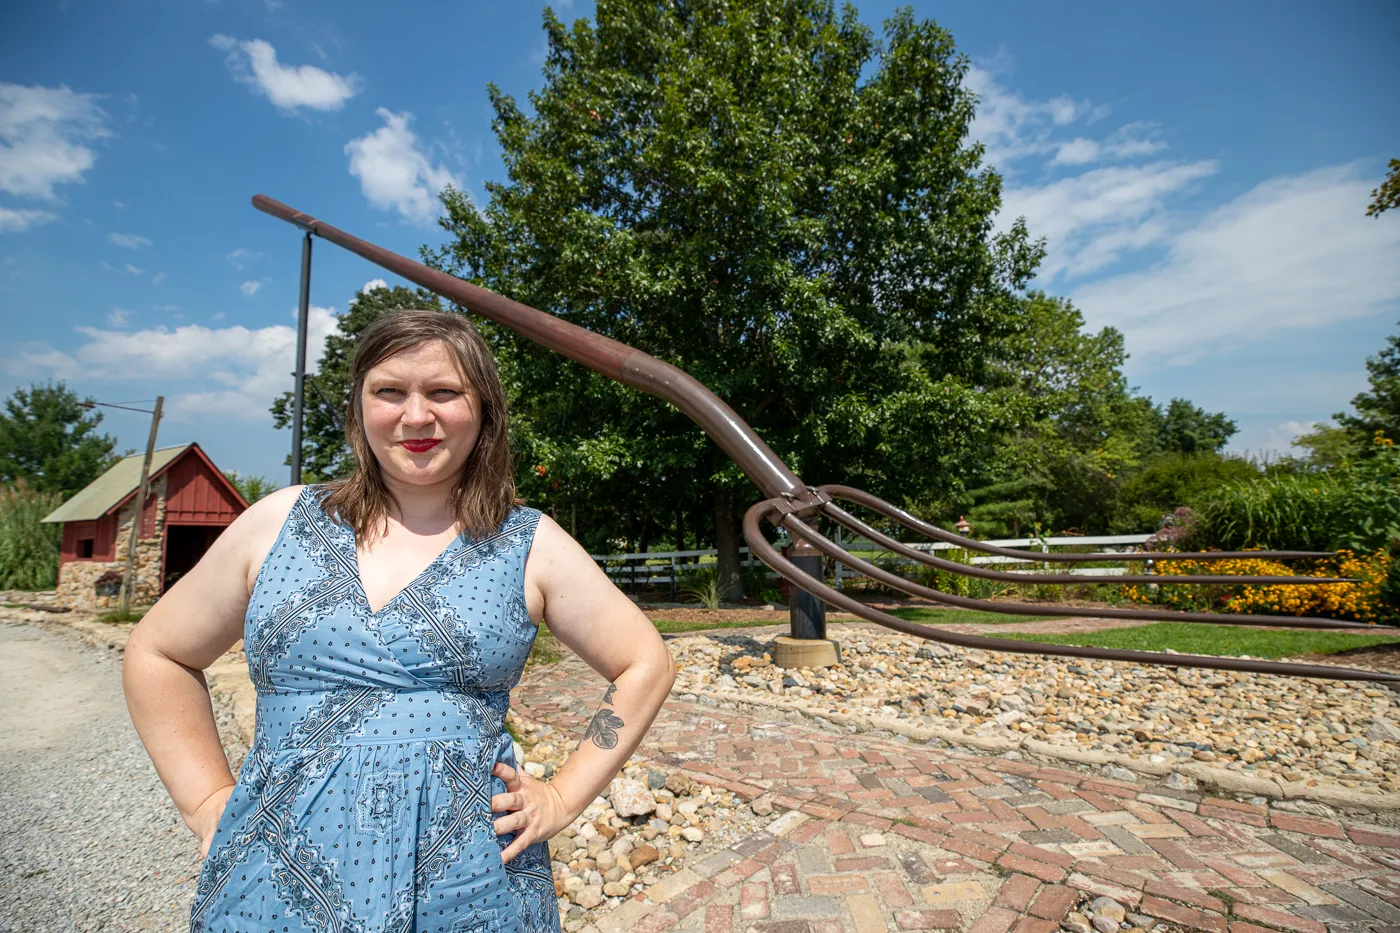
[[789, 652]]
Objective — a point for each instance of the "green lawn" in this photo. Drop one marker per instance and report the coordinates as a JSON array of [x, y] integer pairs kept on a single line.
[[1229, 640], [952, 616], [920, 614]]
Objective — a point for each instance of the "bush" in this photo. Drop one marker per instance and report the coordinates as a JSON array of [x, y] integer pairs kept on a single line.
[[1367, 600], [28, 548], [1355, 506], [1169, 481], [955, 584], [702, 586]]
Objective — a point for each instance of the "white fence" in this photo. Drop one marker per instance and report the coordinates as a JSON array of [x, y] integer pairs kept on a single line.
[[667, 567]]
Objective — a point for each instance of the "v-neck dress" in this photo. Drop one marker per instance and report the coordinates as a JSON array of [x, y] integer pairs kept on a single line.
[[364, 805]]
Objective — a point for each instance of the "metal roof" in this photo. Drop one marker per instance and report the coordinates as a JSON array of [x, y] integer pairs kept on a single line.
[[100, 496]]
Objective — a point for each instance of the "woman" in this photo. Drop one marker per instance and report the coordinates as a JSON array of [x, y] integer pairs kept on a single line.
[[385, 618]]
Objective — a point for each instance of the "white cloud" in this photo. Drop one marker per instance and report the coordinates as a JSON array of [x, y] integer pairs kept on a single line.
[[372, 284], [254, 62], [1293, 252], [250, 287], [41, 134], [1283, 435], [124, 269], [166, 307], [242, 257], [158, 278], [1076, 152], [118, 317], [128, 240], [14, 220], [1010, 126], [1089, 220], [394, 173], [247, 367], [118, 204]]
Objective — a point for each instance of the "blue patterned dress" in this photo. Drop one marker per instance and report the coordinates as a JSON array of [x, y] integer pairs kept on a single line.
[[364, 803]]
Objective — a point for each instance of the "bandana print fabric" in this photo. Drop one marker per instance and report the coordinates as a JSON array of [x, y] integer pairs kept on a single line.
[[364, 805]]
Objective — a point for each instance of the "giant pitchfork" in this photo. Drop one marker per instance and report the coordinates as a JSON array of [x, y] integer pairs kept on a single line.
[[791, 504]]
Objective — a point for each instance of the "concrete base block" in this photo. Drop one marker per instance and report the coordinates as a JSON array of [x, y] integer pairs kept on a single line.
[[805, 652]]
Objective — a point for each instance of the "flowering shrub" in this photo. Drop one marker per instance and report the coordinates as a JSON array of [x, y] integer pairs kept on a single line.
[[1176, 529], [1367, 600]]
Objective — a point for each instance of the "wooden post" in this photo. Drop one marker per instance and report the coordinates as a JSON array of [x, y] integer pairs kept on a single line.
[[129, 574]]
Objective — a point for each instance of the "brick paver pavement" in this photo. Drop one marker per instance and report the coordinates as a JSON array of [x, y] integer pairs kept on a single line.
[[882, 835]]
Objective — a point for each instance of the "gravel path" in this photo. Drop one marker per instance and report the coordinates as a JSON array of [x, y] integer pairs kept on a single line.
[[91, 840]]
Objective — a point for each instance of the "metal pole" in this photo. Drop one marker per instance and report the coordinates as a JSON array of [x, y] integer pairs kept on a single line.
[[298, 391], [806, 613], [128, 574]]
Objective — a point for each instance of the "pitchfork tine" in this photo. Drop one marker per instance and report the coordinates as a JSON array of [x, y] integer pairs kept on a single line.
[[804, 531], [849, 521], [770, 556], [890, 510]]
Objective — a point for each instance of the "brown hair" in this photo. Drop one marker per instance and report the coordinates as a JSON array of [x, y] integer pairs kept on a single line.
[[485, 491]]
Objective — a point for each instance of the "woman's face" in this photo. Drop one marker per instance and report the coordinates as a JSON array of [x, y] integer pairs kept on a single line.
[[421, 418]]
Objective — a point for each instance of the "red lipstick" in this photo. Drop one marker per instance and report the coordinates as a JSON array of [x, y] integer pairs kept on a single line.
[[421, 445]]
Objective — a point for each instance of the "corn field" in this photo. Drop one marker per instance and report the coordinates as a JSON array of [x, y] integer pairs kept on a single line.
[[28, 549]]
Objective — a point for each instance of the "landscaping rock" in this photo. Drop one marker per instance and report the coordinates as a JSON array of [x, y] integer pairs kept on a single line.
[[631, 798]]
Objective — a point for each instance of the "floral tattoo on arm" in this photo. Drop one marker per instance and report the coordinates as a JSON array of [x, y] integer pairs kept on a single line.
[[602, 729]]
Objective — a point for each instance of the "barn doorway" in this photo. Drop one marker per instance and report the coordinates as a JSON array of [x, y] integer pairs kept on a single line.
[[184, 546]]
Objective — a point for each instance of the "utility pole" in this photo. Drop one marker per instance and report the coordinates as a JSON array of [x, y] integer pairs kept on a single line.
[[129, 574]]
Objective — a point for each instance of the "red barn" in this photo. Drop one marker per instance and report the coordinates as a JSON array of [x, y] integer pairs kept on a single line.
[[189, 502]]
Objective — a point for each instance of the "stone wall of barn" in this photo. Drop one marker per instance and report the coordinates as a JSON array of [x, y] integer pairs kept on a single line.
[[94, 585]]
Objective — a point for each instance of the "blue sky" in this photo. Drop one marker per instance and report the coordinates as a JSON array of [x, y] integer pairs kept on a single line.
[[1200, 172]]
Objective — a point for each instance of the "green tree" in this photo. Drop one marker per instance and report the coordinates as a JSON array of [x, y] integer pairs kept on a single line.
[[324, 453], [1378, 409], [1083, 428], [1185, 428], [1170, 480], [768, 196], [1330, 446], [49, 439], [1388, 194], [252, 487]]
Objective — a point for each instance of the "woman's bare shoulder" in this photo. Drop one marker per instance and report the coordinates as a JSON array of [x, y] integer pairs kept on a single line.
[[256, 530]]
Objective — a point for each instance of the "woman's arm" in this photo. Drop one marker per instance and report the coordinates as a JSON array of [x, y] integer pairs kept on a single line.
[[597, 621], [188, 629]]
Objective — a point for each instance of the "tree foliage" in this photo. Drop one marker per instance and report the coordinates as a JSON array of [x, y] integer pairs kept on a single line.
[[1087, 435], [1375, 410], [1185, 428], [777, 201], [1388, 194], [49, 439], [252, 487], [1378, 408]]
